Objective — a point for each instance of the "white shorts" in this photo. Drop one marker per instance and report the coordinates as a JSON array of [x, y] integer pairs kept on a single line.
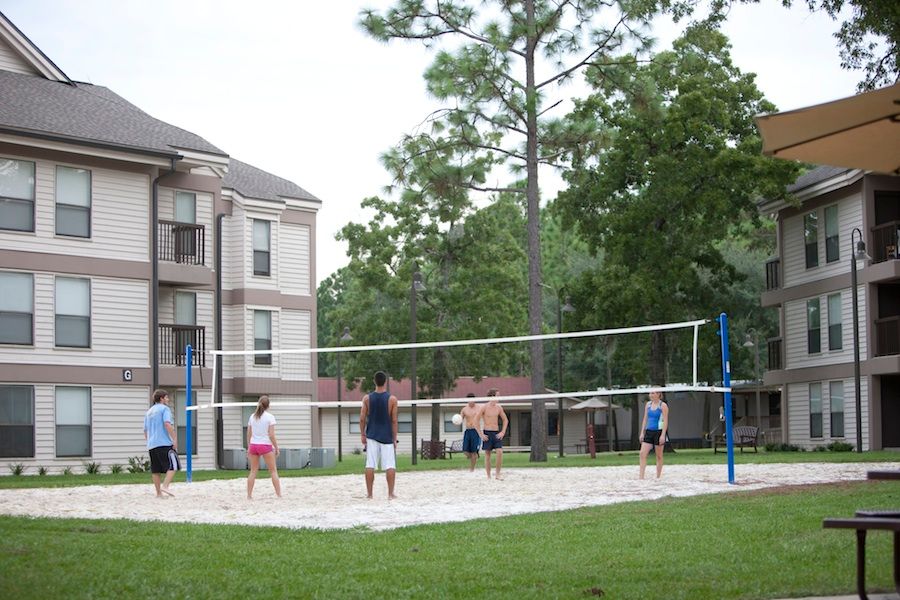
[[378, 453]]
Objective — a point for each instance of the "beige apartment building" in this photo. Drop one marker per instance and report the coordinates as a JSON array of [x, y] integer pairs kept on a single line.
[[122, 239], [809, 282]]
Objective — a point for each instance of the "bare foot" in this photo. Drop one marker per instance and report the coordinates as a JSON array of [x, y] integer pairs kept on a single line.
[[368, 497], [392, 497], [168, 493], [498, 478]]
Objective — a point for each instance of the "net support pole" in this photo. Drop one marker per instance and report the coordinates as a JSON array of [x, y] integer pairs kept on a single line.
[[696, 339], [189, 352], [726, 383]]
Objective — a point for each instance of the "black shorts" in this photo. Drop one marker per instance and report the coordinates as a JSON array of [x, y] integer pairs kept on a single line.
[[651, 436], [164, 459]]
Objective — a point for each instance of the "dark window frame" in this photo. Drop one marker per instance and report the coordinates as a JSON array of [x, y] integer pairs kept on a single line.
[[30, 315], [73, 318], [814, 334], [832, 242], [12, 432], [835, 330], [89, 426], [832, 412], [816, 428], [262, 343], [262, 255], [811, 247]]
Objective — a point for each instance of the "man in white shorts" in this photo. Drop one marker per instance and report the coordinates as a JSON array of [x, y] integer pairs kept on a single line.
[[379, 436]]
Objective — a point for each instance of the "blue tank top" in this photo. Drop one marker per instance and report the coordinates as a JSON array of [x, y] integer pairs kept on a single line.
[[653, 417], [378, 422]]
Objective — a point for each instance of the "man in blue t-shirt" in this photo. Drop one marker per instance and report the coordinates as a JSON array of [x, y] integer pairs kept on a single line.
[[159, 431]]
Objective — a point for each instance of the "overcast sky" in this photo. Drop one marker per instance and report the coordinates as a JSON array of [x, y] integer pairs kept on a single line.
[[297, 89]]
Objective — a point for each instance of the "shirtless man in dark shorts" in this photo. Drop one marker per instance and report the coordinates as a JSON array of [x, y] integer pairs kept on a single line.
[[492, 414], [473, 436]]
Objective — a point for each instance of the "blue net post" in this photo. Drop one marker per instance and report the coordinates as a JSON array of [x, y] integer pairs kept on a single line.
[[726, 383], [187, 403]]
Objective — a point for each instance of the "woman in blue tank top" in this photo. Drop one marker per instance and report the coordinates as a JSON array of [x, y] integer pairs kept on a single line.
[[653, 431]]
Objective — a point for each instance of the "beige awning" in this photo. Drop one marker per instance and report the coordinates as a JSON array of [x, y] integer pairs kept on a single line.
[[590, 403], [860, 132]]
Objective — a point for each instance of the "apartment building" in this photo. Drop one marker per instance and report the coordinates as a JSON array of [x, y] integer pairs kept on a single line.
[[809, 282], [122, 240]]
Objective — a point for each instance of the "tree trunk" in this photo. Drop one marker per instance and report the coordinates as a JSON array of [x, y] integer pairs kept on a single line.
[[538, 407], [438, 387]]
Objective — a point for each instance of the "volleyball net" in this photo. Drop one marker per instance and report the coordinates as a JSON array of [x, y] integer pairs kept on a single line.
[[577, 365]]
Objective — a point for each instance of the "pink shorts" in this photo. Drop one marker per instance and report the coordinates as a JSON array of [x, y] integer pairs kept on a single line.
[[259, 449]]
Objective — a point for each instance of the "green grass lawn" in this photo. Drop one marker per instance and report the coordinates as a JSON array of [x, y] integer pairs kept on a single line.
[[353, 463], [758, 544]]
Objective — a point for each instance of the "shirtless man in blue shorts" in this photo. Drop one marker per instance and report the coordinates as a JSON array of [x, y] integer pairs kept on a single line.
[[492, 414], [473, 437]]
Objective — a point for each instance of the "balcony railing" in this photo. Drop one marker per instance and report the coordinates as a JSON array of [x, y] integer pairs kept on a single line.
[[887, 336], [774, 347], [172, 342], [884, 241], [183, 243], [773, 274]]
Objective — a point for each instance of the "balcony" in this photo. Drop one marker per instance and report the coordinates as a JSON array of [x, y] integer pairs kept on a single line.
[[182, 243], [773, 274], [172, 342], [774, 347], [887, 336], [884, 241]]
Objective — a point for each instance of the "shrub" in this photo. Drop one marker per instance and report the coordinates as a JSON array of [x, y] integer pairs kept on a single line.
[[17, 469], [839, 447], [779, 447], [43, 470], [138, 464], [116, 469], [819, 449], [67, 471], [92, 468]]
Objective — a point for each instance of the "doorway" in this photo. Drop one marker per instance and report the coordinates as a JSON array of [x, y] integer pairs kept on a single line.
[[525, 428], [890, 411]]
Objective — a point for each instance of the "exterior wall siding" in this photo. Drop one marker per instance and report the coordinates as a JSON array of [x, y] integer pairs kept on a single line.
[[295, 333], [11, 61], [797, 403], [119, 325], [796, 355], [119, 216], [233, 247], [794, 254], [294, 254], [293, 428]]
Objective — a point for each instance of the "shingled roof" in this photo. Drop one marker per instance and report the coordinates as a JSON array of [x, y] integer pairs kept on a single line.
[[87, 113], [256, 183], [815, 176]]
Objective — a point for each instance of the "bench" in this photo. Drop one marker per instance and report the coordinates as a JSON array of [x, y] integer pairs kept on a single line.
[[864, 522], [742, 435], [456, 446], [432, 449]]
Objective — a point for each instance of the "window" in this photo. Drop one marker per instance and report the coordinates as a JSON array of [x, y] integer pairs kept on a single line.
[[73, 421], [16, 195], [185, 314], [354, 422], [16, 421], [832, 239], [185, 212], [449, 426], [404, 422], [262, 336], [811, 239], [261, 247], [73, 312], [73, 202], [179, 414], [552, 422], [813, 327], [16, 308], [835, 335], [815, 410], [836, 399]]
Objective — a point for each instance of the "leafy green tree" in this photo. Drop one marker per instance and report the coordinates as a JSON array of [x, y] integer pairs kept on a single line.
[[473, 269], [683, 166], [503, 61]]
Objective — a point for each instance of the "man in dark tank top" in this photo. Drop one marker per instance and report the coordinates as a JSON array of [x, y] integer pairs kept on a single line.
[[378, 427]]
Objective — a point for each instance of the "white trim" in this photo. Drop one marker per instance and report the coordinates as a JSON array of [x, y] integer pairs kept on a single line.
[[29, 52], [823, 187], [144, 159]]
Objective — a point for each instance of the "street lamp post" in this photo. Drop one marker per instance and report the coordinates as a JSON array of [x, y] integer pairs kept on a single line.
[[416, 287], [560, 309], [754, 343], [857, 252], [345, 337]]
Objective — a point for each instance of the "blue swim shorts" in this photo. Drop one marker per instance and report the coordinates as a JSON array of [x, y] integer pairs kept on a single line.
[[493, 442], [471, 441]]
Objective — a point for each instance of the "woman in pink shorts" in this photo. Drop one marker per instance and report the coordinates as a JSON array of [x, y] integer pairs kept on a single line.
[[261, 442]]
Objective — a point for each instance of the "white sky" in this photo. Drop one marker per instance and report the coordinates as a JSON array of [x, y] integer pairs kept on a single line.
[[297, 89]]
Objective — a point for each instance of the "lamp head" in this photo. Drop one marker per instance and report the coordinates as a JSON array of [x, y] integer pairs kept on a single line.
[[346, 337], [417, 282], [567, 307], [861, 253]]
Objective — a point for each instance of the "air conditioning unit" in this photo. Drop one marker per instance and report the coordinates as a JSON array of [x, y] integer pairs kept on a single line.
[[294, 458], [322, 458], [235, 459]]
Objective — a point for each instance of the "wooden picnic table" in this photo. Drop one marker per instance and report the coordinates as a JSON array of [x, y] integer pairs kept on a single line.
[[884, 475]]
